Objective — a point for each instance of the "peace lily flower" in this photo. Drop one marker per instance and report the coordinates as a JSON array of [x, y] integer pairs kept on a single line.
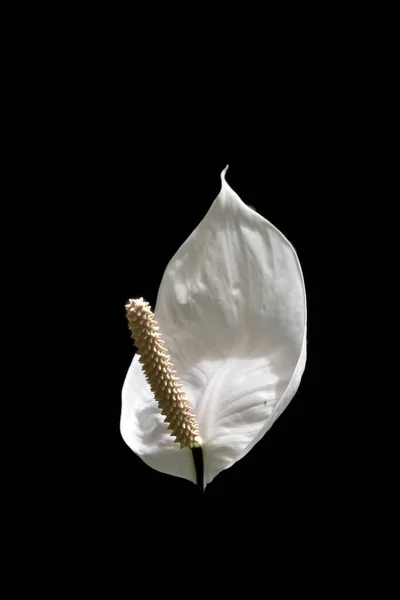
[[230, 350]]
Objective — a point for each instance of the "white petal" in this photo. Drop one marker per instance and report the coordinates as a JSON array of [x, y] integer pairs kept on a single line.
[[232, 310]]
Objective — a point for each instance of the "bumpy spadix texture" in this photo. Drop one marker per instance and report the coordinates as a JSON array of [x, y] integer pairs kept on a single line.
[[160, 374], [232, 311]]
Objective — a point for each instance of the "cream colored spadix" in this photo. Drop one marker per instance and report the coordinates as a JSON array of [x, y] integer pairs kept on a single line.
[[232, 310], [160, 374]]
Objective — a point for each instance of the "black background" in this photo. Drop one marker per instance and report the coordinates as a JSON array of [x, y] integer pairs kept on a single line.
[[117, 150]]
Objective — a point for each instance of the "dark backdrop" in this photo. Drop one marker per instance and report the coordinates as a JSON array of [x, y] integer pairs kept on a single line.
[[119, 152]]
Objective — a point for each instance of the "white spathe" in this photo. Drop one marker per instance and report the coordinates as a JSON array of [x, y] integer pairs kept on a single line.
[[232, 310]]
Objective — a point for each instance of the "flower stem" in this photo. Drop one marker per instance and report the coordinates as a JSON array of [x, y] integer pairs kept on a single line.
[[198, 464]]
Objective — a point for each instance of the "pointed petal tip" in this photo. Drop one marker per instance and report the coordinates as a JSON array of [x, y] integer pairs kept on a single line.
[[223, 173], [225, 187]]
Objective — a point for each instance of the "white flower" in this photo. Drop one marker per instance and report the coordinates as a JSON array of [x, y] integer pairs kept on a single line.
[[232, 311]]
